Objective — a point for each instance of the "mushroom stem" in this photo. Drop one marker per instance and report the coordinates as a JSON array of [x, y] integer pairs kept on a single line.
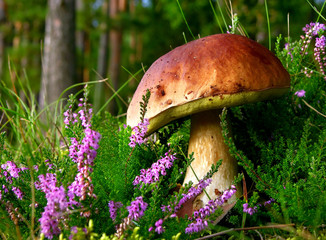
[[207, 143]]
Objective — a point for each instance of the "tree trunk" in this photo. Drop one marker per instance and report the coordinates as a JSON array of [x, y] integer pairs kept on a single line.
[[81, 46], [115, 39], [59, 51], [102, 60]]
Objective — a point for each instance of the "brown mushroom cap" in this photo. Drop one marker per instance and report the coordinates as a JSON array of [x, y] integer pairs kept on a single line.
[[217, 71]]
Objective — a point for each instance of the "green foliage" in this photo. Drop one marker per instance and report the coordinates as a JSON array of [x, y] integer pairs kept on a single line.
[[143, 105], [118, 164], [280, 145]]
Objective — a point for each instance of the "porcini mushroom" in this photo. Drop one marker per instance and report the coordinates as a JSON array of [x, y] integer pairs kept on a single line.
[[199, 79]]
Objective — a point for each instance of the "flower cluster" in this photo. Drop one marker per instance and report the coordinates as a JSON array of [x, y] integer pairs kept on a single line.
[[57, 204], [138, 133], [152, 174], [70, 118], [10, 171], [320, 53], [19, 194], [249, 210], [311, 30], [197, 226], [46, 182], [3, 191], [193, 192], [270, 201], [54, 212], [287, 47], [300, 93], [137, 208], [202, 214], [315, 30], [83, 153], [158, 226], [85, 114], [254, 209], [113, 207]]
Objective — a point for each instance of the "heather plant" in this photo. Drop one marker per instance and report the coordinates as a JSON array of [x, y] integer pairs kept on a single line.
[[280, 144]]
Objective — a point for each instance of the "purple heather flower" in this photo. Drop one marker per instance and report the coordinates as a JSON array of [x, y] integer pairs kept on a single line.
[[5, 189], [137, 208], [311, 30], [152, 174], [270, 201], [12, 168], [46, 183], [67, 119], [114, 206], [300, 93], [158, 226], [83, 153], [49, 165], [320, 42], [249, 210], [212, 205], [138, 133], [57, 204], [319, 53], [197, 226], [54, 212], [73, 230], [193, 192], [314, 28], [19, 194], [287, 47]]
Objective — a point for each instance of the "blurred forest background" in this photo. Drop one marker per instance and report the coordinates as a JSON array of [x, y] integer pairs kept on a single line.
[[49, 45]]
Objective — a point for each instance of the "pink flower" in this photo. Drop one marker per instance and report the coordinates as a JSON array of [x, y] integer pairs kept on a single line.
[[158, 226], [152, 174], [139, 132], [249, 210], [300, 93]]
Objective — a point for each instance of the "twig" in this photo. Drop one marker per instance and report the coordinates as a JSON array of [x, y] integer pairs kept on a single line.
[[311, 107], [245, 229], [256, 175]]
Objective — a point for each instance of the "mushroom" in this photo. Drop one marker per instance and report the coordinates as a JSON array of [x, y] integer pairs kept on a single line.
[[199, 79]]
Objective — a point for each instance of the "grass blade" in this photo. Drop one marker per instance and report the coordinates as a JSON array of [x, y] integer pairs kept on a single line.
[[268, 27], [184, 18]]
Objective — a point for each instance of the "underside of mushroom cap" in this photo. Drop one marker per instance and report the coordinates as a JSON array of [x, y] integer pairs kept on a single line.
[[217, 71]]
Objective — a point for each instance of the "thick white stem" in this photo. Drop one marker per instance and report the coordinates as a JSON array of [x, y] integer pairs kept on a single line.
[[207, 144]]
